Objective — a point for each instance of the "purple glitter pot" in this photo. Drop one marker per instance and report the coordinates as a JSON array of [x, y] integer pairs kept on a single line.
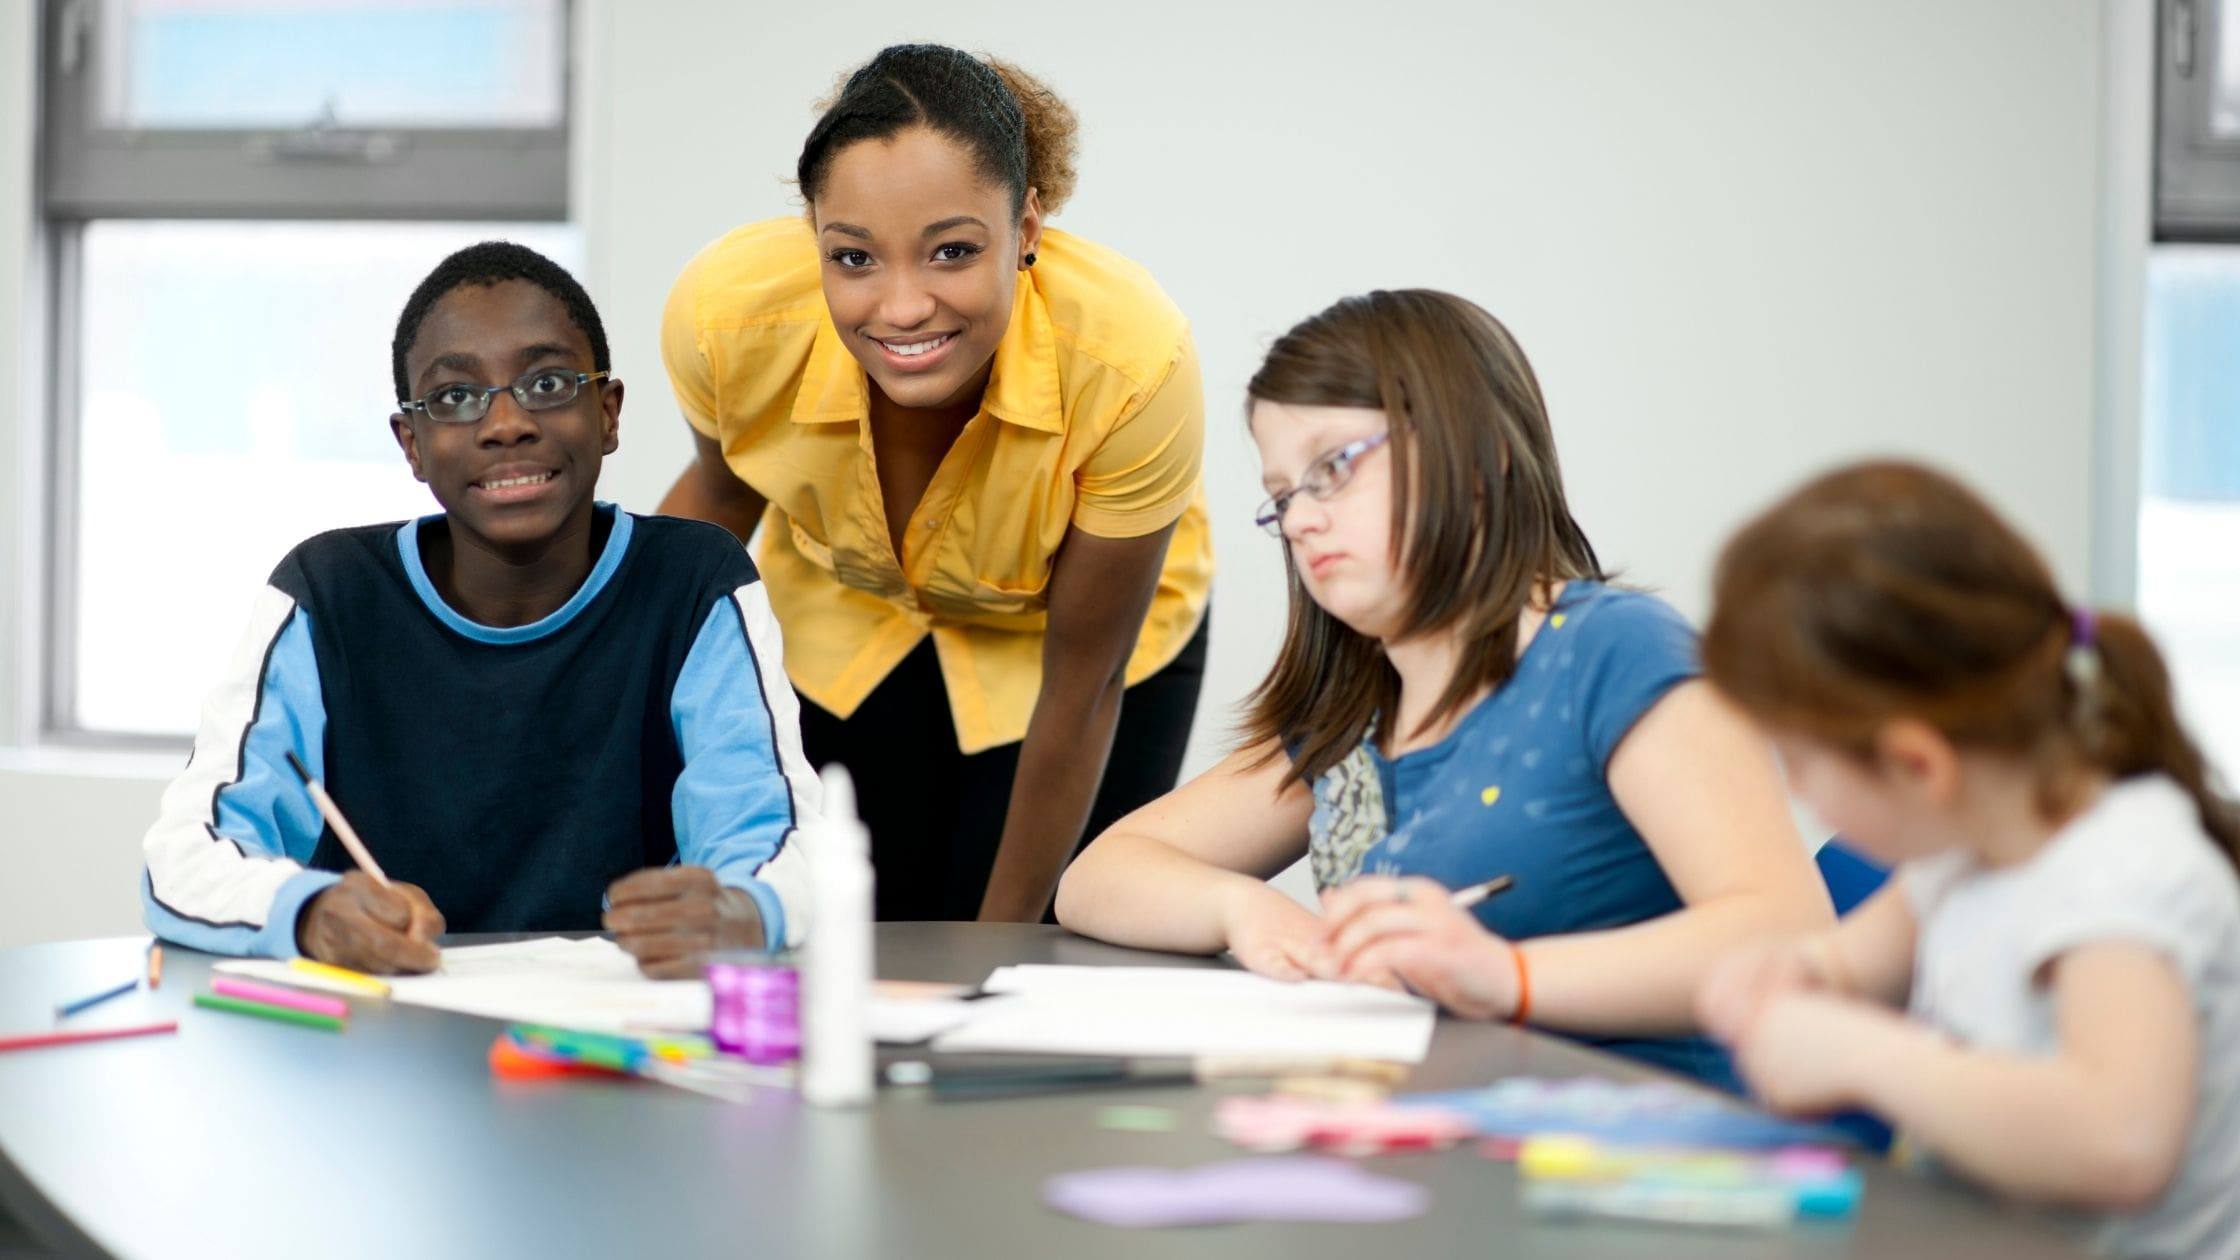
[[756, 1007]]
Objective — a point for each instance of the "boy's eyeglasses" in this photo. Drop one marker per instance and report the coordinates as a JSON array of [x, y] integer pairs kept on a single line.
[[538, 391], [1327, 475]]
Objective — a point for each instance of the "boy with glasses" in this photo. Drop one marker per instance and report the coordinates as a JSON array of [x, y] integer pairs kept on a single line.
[[540, 712]]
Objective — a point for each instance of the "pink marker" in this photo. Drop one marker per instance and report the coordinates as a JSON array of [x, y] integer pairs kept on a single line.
[[293, 999]]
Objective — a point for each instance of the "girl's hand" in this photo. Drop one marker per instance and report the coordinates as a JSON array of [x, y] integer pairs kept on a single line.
[[1273, 935], [1409, 932], [1741, 984], [1807, 1053]]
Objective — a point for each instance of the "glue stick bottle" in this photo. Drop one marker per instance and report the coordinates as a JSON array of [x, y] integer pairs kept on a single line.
[[836, 1059]]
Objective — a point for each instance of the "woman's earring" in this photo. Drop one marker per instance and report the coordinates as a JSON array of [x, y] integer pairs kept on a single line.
[[1029, 260]]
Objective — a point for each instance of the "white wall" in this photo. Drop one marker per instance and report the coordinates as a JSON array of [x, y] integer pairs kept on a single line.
[[1740, 239]]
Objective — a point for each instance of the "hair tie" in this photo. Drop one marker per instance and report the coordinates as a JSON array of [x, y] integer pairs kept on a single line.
[[2084, 627], [2083, 666]]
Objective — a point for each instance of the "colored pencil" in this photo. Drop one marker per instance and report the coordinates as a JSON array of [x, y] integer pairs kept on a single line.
[[262, 1010], [339, 977], [76, 1035], [274, 995], [155, 966], [68, 1009], [342, 829]]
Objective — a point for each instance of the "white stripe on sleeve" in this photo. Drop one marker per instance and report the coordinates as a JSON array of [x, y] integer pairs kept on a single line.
[[787, 871], [194, 872]]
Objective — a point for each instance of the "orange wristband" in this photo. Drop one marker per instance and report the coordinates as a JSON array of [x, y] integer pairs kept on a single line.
[[1524, 987]]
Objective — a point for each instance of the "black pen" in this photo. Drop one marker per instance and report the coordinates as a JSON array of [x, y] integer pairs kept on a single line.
[[961, 1084]]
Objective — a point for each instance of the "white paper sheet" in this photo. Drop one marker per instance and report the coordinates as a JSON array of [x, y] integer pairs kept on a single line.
[[908, 1021], [1177, 1011], [588, 984]]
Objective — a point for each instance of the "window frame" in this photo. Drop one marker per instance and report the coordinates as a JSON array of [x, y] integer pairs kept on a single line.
[[85, 172], [315, 171], [2197, 174]]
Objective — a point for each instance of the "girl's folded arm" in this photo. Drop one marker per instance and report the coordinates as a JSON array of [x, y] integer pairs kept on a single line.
[[2101, 1124]]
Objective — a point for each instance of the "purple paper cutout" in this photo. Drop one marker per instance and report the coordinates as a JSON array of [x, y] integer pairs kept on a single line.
[[1269, 1188]]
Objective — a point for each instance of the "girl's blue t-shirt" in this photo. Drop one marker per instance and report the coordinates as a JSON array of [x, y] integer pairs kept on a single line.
[[1520, 788]]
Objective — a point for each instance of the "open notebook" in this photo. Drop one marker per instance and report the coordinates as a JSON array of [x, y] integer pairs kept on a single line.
[[1163, 1011], [1149, 1011], [588, 984]]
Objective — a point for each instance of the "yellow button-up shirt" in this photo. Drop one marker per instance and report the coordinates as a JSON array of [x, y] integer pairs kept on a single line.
[[1093, 417]]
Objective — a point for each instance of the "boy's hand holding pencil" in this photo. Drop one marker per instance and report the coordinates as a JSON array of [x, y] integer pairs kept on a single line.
[[366, 925], [367, 922]]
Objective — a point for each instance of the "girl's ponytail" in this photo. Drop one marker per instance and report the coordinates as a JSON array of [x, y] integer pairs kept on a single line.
[[1886, 591], [2127, 718]]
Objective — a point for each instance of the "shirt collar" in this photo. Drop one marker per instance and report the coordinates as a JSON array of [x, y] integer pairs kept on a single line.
[[1022, 386], [416, 570]]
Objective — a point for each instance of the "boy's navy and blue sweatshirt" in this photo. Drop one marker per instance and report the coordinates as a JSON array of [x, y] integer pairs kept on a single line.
[[514, 773]]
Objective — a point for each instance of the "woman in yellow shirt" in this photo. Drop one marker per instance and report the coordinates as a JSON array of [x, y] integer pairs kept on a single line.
[[972, 443]]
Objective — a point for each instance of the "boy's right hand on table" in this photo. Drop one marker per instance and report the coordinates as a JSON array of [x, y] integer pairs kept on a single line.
[[1273, 935], [360, 924]]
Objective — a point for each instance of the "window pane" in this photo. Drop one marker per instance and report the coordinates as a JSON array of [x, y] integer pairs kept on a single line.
[[234, 390], [359, 63], [2189, 515], [2224, 108]]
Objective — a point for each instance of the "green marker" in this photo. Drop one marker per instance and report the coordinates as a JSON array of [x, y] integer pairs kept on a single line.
[[265, 1010], [616, 1054]]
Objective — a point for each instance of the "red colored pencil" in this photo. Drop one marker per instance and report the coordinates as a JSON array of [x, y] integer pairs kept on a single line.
[[33, 1041]]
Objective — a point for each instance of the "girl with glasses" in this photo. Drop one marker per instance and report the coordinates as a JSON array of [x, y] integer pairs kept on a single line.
[[1460, 695]]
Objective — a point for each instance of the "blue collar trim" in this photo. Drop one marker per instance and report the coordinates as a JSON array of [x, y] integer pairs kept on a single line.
[[610, 559]]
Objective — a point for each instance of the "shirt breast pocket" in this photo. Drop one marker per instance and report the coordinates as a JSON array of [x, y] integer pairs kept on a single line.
[[813, 549], [1012, 594]]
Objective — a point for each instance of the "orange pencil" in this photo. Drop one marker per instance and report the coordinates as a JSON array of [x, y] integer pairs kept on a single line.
[[155, 966]]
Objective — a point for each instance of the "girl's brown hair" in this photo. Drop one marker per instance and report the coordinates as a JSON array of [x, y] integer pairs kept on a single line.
[[1887, 590], [1477, 500]]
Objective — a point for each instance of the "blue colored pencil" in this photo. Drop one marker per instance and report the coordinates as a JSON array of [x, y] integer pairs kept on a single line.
[[72, 1008]]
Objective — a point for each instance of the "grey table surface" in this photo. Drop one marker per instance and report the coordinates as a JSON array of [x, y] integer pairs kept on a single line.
[[242, 1138]]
